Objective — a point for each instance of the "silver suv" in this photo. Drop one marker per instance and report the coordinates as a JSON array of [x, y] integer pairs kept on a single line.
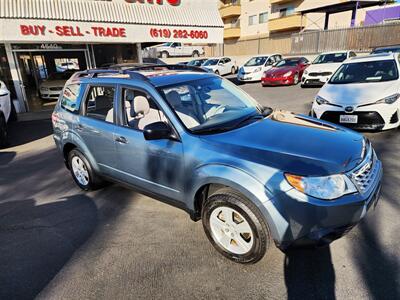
[[195, 140]]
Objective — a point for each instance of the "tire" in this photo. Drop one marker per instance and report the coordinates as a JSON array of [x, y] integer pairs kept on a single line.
[[195, 54], [296, 79], [253, 245], [217, 72], [3, 131], [91, 181], [164, 54], [233, 71]]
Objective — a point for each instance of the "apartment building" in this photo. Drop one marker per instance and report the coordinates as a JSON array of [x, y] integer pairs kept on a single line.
[[249, 19]]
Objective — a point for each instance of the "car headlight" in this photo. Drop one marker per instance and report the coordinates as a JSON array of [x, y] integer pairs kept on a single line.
[[325, 188], [288, 74], [389, 100], [321, 100], [257, 70]]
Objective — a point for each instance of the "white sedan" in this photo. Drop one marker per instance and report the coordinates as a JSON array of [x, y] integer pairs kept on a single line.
[[363, 94], [5, 112], [220, 65], [323, 67], [255, 67]]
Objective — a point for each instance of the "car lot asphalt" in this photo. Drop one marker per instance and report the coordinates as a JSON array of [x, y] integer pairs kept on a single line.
[[57, 242]]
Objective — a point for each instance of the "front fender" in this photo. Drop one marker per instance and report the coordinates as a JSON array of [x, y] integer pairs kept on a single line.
[[244, 183]]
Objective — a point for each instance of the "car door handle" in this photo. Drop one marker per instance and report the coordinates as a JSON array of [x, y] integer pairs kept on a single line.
[[121, 140]]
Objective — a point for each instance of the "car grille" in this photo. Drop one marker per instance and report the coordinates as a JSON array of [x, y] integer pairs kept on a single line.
[[366, 120], [55, 88], [366, 174], [316, 74]]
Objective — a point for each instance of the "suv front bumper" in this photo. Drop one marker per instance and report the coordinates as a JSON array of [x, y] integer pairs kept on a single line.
[[309, 221]]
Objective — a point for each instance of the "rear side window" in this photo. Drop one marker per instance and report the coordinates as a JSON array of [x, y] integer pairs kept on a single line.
[[70, 96], [99, 103]]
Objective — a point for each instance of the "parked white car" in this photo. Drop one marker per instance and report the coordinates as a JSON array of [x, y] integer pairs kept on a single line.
[[323, 67], [256, 66], [5, 112], [220, 65], [363, 94], [176, 49], [51, 88]]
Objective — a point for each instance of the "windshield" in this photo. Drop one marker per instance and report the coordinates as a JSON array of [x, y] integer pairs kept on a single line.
[[330, 58], [211, 62], [196, 63], [256, 61], [166, 44], [210, 105], [60, 76], [287, 63], [371, 71], [386, 50]]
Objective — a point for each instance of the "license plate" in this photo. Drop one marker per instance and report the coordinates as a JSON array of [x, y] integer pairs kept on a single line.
[[349, 119]]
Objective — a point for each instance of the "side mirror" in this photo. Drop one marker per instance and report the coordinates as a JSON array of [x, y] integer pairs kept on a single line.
[[158, 131]]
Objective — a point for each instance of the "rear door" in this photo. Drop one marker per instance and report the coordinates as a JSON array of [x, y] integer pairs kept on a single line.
[[96, 125]]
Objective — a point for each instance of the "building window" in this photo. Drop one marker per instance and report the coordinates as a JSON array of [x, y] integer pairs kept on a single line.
[[253, 20], [263, 18]]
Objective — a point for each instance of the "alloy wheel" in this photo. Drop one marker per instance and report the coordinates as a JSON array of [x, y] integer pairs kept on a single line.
[[231, 230], [80, 170]]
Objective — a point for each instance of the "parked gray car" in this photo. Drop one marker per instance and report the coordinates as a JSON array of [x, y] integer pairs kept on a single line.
[[193, 139]]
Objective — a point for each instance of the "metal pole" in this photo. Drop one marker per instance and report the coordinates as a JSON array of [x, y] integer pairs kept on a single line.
[[139, 53]]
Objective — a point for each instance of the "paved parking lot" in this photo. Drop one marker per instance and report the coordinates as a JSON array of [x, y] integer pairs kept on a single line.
[[60, 243]]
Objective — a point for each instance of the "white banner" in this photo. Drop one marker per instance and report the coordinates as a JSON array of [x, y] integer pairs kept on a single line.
[[46, 31]]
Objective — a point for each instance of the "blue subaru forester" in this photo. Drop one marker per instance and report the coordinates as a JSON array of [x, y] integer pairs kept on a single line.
[[195, 140]]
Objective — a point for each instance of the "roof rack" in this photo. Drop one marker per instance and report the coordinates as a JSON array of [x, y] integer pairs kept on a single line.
[[134, 73], [168, 67], [95, 73]]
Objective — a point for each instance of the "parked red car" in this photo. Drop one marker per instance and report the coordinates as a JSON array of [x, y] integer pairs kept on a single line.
[[285, 72]]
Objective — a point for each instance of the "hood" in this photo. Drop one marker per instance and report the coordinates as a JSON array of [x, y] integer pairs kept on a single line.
[[281, 71], [358, 93], [292, 143], [53, 83], [210, 67], [252, 69], [323, 67]]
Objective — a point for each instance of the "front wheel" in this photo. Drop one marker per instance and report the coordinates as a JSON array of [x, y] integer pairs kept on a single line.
[[233, 71], [82, 172], [217, 72], [195, 54], [164, 54], [235, 227]]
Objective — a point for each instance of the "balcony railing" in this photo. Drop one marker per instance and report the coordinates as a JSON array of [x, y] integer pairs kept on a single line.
[[285, 23], [230, 9]]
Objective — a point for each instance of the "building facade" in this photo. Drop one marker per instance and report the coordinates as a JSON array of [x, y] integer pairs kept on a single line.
[[40, 37]]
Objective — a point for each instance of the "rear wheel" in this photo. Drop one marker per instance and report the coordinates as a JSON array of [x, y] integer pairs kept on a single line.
[[217, 72], [3, 131], [233, 71], [82, 172], [195, 54], [235, 227]]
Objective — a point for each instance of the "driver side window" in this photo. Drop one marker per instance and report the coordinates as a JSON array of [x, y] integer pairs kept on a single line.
[[139, 109]]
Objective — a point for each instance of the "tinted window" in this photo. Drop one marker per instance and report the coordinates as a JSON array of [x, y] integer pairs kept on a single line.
[[287, 63], [70, 95], [100, 103], [227, 60], [211, 62], [372, 71], [330, 58]]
